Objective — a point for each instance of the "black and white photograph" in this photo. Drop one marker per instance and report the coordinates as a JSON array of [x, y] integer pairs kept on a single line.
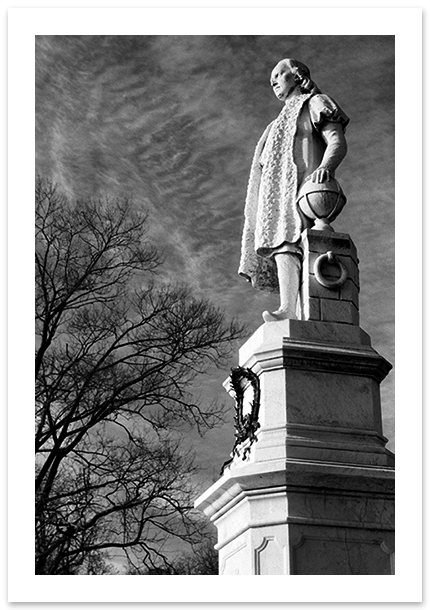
[[217, 310]]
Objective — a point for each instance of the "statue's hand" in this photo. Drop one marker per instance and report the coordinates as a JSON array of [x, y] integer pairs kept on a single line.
[[321, 174]]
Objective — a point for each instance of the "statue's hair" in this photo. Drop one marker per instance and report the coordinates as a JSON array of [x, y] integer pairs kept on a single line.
[[302, 76]]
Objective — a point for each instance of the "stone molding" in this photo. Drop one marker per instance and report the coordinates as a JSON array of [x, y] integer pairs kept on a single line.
[[320, 357], [277, 476]]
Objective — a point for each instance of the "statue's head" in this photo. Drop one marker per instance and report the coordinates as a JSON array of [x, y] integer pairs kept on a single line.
[[290, 75]]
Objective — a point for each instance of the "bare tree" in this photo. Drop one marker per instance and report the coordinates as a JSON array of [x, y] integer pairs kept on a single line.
[[201, 560], [116, 356]]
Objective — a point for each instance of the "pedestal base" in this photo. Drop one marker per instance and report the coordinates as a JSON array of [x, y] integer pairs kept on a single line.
[[315, 493], [303, 518]]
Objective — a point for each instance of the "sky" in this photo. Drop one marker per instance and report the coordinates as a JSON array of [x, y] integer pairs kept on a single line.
[[172, 122]]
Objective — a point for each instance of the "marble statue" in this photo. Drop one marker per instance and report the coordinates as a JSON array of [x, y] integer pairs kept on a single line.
[[306, 142]]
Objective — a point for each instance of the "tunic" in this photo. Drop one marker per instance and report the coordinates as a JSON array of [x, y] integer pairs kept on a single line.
[[289, 150]]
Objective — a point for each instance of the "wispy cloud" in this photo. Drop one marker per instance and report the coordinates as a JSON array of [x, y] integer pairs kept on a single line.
[[172, 121]]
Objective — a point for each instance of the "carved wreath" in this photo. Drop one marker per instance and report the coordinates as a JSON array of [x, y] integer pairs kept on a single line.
[[246, 425]]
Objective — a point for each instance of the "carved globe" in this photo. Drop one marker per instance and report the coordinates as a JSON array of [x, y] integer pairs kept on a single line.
[[322, 202]]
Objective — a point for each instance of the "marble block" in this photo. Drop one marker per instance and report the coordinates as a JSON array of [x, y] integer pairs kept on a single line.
[[297, 518], [331, 304]]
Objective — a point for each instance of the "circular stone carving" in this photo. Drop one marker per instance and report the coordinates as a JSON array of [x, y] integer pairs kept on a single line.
[[329, 257]]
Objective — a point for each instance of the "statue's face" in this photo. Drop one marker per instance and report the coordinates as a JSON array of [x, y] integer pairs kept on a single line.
[[282, 81]]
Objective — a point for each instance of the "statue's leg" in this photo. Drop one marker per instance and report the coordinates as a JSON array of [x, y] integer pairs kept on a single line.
[[289, 267]]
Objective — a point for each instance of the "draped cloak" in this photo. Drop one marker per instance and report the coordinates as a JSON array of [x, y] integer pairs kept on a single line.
[[273, 221]]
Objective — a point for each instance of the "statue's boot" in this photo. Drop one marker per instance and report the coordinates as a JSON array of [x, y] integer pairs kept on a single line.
[[288, 266]]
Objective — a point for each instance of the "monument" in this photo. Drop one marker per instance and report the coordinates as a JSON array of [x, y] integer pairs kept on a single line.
[[309, 488]]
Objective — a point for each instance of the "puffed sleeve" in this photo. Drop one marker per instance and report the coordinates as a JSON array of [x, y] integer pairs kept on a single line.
[[324, 108]]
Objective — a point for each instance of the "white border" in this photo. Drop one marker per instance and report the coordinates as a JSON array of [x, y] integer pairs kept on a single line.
[[24, 24]]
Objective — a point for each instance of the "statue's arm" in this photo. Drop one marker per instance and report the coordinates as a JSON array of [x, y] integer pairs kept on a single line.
[[333, 136]]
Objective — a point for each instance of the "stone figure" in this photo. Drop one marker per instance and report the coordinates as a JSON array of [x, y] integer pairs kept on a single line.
[[305, 142]]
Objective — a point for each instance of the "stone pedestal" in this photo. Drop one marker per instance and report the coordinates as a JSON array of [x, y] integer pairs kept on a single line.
[[315, 493], [331, 303]]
